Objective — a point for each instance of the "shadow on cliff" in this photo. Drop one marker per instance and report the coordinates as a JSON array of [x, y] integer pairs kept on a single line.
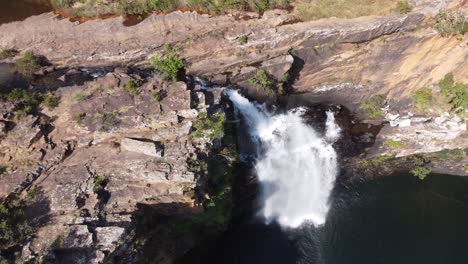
[[21, 217]]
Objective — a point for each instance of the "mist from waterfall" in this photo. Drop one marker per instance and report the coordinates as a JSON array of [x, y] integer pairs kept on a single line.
[[296, 166]]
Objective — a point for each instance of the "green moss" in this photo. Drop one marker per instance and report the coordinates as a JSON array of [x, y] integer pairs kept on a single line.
[[209, 127], [394, 144], [28, 64], [264, 81], [404, 7], [372, 106], [132, 87], [422, 100], [169, 63]]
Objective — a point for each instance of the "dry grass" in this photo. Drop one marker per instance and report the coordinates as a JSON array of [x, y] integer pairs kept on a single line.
[[315, 9]]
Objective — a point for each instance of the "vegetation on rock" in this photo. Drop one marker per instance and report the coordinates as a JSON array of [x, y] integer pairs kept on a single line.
[[243, 39], [99, 180], [28, 64], [51, 101], [313, 9], [263, 81], [108, 121], [422, 100], [132, 87], [449, 23], [7, 53], [159, 95], [373, 106], [169, 63], [138, 7], [394, 144], [421, 172], [404, 7], [79, 118], [456, 93], [25, 100], [208, 126]]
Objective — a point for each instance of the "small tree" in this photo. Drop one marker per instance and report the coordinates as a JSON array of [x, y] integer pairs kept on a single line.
[[28, 64], [168, 63]]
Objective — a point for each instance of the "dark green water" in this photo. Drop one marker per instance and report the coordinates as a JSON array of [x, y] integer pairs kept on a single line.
[[394, 220]]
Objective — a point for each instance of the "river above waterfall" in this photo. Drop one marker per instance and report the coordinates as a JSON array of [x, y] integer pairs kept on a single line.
[[397, 219], [16, 10]]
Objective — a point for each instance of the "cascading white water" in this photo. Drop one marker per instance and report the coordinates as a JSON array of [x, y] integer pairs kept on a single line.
[[297, 167]]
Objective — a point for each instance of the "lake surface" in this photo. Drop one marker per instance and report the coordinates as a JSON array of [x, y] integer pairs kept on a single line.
[[394, 220], [16, 10]]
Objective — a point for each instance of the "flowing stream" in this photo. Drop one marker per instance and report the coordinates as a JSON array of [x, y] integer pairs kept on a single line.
[[296, 166]]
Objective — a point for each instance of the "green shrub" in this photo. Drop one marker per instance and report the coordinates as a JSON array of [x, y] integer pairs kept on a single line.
[[28, 64], [264, 81], [79, 97], [404, 7], [79, 118], [421, 172], [168, 63], [99, 180], [25, 100], [7, 53], [51, 101], [243, 39], [14, 227], [108, 121], [422, 100], [456, 93], [394, 144], [372, 106], [449, 23], [132, 87], [62, 3], [211, 127]]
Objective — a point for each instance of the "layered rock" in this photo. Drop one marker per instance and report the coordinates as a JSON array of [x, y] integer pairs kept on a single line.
[[105, 152]]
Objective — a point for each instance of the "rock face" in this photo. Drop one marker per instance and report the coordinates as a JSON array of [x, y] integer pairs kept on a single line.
[[98, 155]]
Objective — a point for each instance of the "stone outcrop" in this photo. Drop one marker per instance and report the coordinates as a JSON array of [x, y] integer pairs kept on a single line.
[[144, 147], [98, 155]]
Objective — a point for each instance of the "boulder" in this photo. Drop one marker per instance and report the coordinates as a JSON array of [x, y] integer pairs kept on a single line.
[[149, 148], [177, 98]]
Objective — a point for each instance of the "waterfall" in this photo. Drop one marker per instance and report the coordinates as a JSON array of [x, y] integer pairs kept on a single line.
[[296, 166]]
